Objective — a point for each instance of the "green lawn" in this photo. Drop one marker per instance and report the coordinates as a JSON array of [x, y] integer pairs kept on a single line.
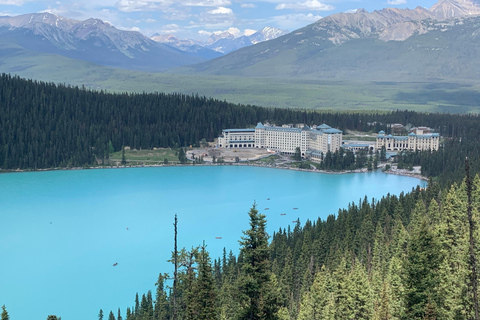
[[147, 157]]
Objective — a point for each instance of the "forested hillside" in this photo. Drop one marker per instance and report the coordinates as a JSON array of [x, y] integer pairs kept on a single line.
[[405, 257], [43, 125]]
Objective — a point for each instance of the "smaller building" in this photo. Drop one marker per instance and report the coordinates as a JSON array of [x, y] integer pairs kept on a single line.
[[237, 138], [414, 141]]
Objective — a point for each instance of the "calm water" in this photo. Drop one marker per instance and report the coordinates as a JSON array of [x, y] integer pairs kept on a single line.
[[62, 231]]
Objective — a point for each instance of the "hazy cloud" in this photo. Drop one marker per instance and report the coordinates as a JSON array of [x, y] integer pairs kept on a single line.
[[153, 5], [351, 11], [248, 5], [396, 2], [307, 5], [204, 33], [221, 16], [234, 31], [129, 29], [294, 21], [205, 3], [170, 28], [12, 2]]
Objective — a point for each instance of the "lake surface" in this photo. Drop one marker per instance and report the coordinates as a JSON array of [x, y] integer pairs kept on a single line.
[[62, 231]]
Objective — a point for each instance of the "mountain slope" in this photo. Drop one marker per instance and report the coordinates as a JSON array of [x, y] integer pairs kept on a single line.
[[384, 45], [91, 40]]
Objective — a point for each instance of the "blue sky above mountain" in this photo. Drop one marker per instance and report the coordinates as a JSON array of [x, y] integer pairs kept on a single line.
[[197, 19]]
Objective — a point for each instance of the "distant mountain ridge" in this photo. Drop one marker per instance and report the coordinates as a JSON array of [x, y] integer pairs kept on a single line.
[[91, 40], [223, 43], [384, 45]]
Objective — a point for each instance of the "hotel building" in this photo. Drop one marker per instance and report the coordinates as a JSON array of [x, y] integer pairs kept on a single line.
[[417, 140], [313, 141]]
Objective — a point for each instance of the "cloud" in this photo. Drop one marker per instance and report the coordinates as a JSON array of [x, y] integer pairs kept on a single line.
[[351, 11], [204, 33], [248, 5], [396, 2], [205, 3], [12, 2], [221, 10], [150, 20], [170, 28], [162, 5], [219, 17], [307, 5], [234, 31], [129, 29], [293, 21]]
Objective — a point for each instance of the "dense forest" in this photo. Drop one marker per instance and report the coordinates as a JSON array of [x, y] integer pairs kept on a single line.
[[400, 257], [43, 125], [410, 256]]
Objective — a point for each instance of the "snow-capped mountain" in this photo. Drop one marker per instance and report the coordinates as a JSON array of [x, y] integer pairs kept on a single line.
[[91, 40], [223, 42]]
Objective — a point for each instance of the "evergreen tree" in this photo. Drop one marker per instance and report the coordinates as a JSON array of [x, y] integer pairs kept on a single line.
[[5, 315], [161, 310], [316, 302], [124, 160], [204, 289], [182, 157], [119, 317], [100, 315], [422, 265], [258, 296], [297, 156], [111, 316]]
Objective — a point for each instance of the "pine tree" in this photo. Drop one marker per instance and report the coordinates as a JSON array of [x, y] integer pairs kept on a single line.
[[161, 310], [124, 160], [111, 316], [359, 295], [204, 289], [422, 265], [5, 315], [258, 296], [100, 315], [315, 302]]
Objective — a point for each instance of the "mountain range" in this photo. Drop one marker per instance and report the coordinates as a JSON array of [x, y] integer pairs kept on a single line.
[[221, 43], [384, 45], [440, 43], [91, 40]]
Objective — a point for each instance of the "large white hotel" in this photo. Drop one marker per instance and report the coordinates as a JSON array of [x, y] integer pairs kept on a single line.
[[313, 141]]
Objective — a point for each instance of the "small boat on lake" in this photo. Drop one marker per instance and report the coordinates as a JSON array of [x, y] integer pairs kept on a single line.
[[115, 264], [267, 208], [268, 198], [283, 214], [295, 208], [218, 237]]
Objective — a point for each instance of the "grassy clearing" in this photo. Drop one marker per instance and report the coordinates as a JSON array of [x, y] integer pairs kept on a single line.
[[148, 157]]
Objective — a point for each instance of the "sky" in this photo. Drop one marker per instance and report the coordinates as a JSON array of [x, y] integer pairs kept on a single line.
[[198, 19]]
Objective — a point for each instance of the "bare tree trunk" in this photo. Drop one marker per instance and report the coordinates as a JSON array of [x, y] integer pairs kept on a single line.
[[473, 259], [175, 254]]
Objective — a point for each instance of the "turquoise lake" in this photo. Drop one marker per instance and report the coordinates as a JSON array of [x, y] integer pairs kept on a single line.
[[62, 231]]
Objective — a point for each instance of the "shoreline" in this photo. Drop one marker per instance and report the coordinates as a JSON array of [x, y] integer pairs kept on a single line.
[[394, 171]]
